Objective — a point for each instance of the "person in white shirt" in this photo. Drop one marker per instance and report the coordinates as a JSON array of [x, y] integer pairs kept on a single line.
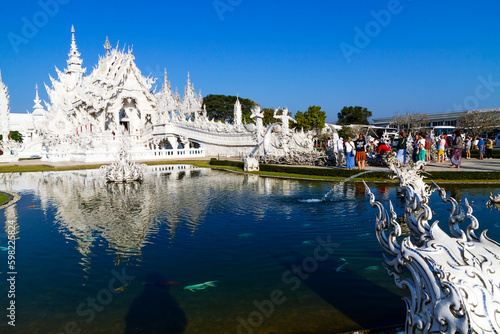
[[340, 150], [349, 153]]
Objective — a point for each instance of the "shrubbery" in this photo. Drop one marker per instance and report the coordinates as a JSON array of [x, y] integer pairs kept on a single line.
[[344, 173]]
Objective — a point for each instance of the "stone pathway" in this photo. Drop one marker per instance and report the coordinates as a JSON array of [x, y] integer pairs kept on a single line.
[[468, 165]]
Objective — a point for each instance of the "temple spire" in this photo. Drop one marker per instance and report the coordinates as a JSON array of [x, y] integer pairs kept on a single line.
[[37, 108], [237, 111], [4, 110], [166, 84], [37, 99], [107, 46], [74, 61]]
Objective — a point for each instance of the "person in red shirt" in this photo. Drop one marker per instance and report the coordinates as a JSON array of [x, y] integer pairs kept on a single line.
[[383, 148]]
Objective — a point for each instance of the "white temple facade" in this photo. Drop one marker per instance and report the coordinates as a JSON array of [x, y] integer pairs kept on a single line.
[[4, 110], [89, 116]]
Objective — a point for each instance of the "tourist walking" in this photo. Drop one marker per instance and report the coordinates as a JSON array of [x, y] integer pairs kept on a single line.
[[467, 144], [340, 149], [441, 148], [449, 144], [489, 148], [401, 153], [421, 150], [360, 152], [480, 147], [349, 153], [414, 153], [456, 150], [427, 138]]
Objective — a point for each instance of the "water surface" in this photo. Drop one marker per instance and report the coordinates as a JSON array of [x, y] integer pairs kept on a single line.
[[283, 260]]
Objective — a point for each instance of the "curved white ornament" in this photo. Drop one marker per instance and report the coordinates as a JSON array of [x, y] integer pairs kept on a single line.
[[454, 280]]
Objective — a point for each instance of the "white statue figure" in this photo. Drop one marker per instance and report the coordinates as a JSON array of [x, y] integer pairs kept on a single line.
[[284, 118]]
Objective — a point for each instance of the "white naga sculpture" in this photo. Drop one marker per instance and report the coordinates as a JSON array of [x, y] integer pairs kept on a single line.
[[123, 170], [453, 279]]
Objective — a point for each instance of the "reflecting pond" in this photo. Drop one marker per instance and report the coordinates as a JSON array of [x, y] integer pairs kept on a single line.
[[194, 250]]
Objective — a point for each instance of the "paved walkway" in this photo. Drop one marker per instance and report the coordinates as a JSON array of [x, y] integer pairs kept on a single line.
[[468, 165]]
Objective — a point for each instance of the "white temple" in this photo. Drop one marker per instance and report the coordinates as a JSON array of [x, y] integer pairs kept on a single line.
[[4, 110], [89, 116]]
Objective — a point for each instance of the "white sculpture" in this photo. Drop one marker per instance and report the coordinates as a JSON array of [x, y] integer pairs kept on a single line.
[[250, 164], [493, 199], [123, 170], [455, 281]]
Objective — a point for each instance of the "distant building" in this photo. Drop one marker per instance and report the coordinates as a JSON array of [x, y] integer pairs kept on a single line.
[[443, 120]]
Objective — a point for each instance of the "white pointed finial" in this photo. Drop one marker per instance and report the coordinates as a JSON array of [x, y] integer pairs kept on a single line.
[[107, 45], [37, 99], [72, 29]]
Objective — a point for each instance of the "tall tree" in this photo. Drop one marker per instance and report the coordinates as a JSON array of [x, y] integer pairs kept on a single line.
[[313, 119], [476, 122], [353, 115], [16, 136], [221, 107], [410, 121]]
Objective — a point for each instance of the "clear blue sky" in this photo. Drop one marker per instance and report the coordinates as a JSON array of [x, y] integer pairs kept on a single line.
[[428, 56]]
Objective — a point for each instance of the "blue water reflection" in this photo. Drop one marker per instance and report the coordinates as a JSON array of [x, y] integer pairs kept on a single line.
[[116, 258]]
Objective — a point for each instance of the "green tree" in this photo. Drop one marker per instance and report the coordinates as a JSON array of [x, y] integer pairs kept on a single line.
[[221, 108], [313, 119], [268, 116], [353, 115], [302, 121], [16, 136], [346, 131]]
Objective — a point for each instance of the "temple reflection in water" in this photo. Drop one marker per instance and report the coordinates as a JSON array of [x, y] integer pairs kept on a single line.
[[90, 211]]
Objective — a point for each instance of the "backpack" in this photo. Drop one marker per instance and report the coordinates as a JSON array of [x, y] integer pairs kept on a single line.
[[427, 144]]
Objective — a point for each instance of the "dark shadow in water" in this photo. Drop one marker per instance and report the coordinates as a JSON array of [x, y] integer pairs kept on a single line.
[[155, 310], [331, 286]]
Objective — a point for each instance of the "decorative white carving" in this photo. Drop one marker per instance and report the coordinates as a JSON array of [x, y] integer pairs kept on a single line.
[[455, 281], [250, 164], [88, 116], [123, 170]]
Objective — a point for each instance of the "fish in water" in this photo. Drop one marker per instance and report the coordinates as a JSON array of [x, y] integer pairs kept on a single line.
[[32, 206], [121, 288], [4, 249], [497, 225], [343, 259], [245, 235], [371, 268], [308, 243], [91, 238], [363, 235], [306, 225], [341, 267], [201, 286]]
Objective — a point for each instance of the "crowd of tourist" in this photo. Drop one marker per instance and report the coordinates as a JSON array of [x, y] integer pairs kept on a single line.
[[449, 149]]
